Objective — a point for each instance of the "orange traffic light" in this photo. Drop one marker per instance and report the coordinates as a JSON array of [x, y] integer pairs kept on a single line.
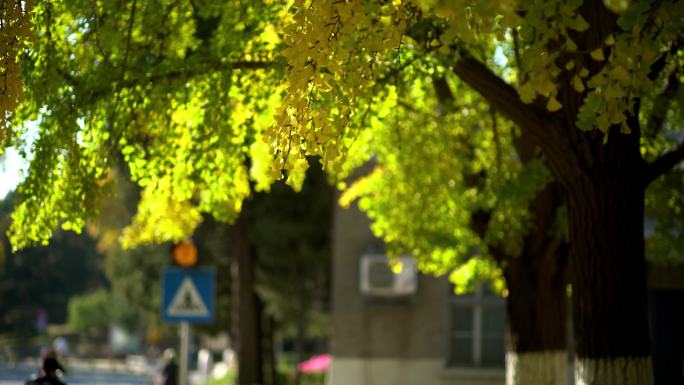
[[185, 254]]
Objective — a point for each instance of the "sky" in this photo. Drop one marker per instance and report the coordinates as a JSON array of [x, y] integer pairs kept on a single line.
[[12, 165]]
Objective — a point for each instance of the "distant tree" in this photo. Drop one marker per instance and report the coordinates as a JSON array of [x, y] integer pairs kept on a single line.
[[279, 258], [291, 232], [135, 273], [43, 278], [289, 235], [90, 313]]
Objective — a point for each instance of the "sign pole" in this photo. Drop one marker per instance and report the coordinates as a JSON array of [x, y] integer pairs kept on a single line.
[[184, 347], [188, 296]]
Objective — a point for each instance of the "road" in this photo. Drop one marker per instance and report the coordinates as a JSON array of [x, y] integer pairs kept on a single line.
[[18, 375]]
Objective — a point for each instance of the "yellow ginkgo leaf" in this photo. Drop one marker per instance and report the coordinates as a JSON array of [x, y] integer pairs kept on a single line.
[[610, 40], [553, 104], [577, 83], [597, 54], [527, 93]]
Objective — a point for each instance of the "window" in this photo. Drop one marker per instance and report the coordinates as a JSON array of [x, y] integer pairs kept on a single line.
[[477, 327]]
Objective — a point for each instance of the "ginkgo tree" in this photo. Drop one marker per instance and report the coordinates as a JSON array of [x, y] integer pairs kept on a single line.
[[584, 72]]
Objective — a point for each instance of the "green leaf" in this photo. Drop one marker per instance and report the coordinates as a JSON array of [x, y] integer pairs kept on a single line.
[[597, 54]]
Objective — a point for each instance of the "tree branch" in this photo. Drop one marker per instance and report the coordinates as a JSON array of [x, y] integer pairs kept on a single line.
[[443, 91], [198, 70], [498, 93], [664, 163], [100, 92], [659, 65], [535, 123]]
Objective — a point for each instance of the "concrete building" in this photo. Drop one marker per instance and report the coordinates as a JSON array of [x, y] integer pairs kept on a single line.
[[408, 330]]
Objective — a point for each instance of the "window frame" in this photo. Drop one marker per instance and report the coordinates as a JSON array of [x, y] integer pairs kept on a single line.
[[476, 301]]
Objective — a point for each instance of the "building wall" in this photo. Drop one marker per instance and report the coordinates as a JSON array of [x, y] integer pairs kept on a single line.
[[403, 342], [413, 371], [383, 341]]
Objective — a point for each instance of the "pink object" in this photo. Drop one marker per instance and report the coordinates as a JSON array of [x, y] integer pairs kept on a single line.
[[315, 364]]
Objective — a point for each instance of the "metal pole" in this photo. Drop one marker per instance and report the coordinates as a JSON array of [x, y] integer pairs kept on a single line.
[[184, 347]]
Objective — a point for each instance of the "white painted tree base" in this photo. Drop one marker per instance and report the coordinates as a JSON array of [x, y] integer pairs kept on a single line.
[[614, 371], [543, 368]]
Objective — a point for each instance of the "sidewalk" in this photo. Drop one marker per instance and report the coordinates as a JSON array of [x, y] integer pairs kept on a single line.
[[132, 364]]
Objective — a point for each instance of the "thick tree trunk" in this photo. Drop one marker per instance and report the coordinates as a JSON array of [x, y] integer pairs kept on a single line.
[[605, 194], [246, 316], [605, 212], [603, 182], [536, 310], [537, 367], [537, 301], [299, 345]]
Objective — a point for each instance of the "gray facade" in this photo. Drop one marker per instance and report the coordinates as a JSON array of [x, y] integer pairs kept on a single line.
[[399, 341]]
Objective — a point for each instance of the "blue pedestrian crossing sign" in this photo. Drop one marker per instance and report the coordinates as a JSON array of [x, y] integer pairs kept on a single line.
[[188, 295]]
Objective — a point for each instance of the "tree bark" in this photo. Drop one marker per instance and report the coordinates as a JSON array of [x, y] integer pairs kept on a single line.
[[245, 308], [606, 220], [536, 310], [300, 339], [270, 368]]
